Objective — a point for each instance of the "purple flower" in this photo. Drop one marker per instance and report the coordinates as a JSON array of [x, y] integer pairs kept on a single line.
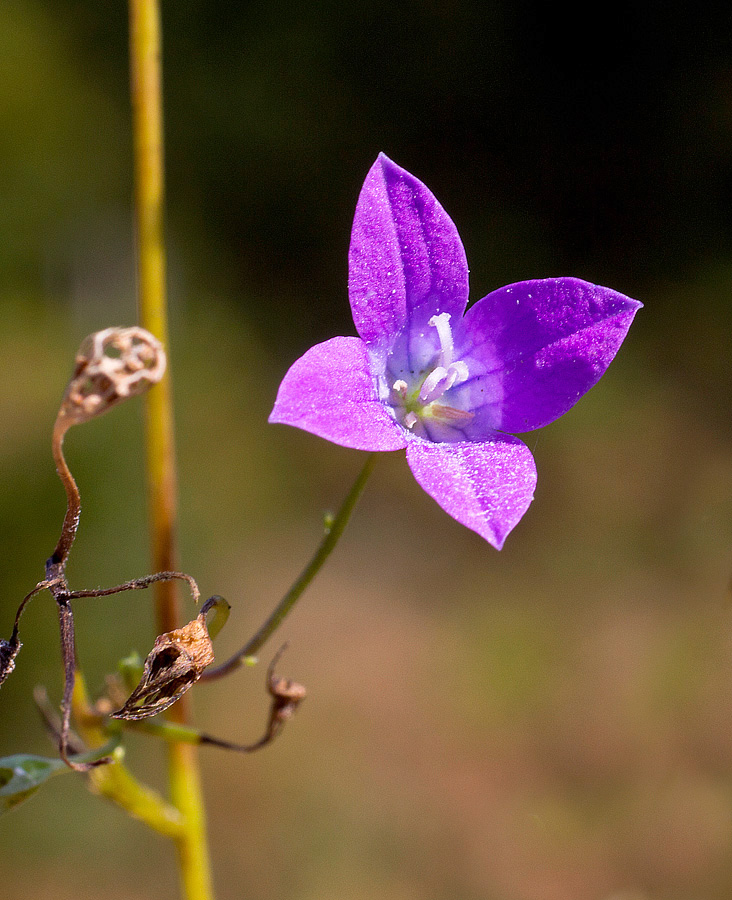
[[448, 385]]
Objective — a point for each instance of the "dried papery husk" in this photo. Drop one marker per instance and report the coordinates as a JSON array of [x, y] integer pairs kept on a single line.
[[175, 663], [8, 651], [111, 366], [286, 695], [287, 691]]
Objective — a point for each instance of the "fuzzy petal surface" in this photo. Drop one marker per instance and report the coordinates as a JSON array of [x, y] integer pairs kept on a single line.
[[330, 392], [542, 345], [406, 259], [485, 486]]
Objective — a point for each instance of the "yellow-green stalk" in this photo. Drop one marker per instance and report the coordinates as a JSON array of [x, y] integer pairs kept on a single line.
[[145, 68]]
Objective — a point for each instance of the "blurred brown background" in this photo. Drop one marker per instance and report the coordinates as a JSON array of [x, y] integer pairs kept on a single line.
[[552, 722]]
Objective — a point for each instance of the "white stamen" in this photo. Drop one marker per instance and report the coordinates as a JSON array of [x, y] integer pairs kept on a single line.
[[444, 332], [440, 380], [401, 387], [410, 420], [434, 385]]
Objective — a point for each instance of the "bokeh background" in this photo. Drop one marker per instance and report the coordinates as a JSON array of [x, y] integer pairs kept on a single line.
[[552, 722]]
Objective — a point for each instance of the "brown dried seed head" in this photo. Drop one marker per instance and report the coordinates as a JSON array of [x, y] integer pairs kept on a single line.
[[111, 366], [175, 663], [8, 652], [287, 695], [286, 689], [192, 638]]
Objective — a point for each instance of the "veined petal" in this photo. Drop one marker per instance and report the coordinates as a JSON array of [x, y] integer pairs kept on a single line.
[[542, 345], [485, 486], [406, 260], [330, 392]]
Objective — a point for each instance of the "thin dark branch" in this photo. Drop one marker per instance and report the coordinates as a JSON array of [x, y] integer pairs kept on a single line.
[[68, 651], [139, 584], [10, 649], [42, 585]]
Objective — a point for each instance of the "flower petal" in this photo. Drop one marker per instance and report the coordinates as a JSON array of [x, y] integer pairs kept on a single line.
[[486, 486], [406, 260], [542, 345], [330, 392]]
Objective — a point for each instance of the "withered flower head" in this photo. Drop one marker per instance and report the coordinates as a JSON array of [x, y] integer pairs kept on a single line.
[[111, 366], [175, 663], [286, 695], [8, 652]]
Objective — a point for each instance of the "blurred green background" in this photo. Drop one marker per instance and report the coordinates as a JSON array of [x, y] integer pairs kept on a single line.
[[552, 722]]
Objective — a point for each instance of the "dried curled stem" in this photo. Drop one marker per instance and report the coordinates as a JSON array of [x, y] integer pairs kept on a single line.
[[110, 366], [286, 694], [10, 649]]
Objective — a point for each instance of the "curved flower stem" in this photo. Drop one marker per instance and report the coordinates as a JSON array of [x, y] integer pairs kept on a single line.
[[56, 583], [333, 532], [41, 586], [169, 731], [145, 66], [73, 500]]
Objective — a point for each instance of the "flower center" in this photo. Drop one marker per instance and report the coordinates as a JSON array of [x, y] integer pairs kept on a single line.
[[423, 398]]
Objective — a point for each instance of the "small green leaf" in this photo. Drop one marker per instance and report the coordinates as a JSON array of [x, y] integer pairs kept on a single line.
[[21, 776]]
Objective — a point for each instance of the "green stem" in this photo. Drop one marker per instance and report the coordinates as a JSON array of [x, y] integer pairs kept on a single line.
[[333, 532], [169, 731], [115, 782], [145, 66]]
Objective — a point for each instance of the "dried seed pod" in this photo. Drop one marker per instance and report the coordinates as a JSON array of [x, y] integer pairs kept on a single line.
[[8, 652], [286, 695], [111, 366], [175, 663]]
